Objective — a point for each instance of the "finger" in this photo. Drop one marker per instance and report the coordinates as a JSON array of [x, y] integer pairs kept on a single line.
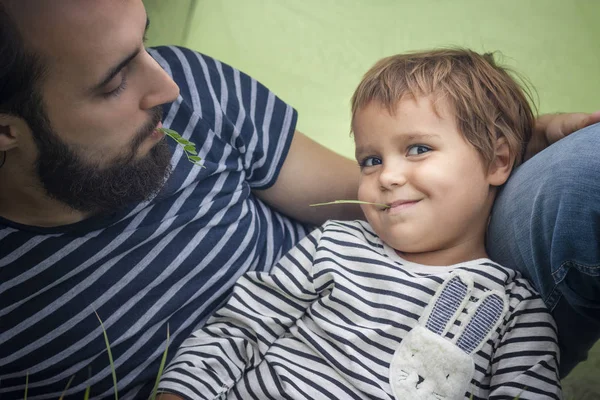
[[576, 122], [594, 118], [590, 119]]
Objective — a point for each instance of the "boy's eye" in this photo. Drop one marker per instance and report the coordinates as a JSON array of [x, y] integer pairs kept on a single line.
[[418, 149], [370, 162]]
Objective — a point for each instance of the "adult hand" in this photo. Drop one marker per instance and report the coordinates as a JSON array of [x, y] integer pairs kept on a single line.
[[550, 128]]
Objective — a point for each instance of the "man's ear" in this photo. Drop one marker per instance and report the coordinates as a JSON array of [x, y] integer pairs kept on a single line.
[[502, 164], [10, 131]]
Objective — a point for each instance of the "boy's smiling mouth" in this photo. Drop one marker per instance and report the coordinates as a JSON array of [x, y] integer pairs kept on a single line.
[[400, 205]]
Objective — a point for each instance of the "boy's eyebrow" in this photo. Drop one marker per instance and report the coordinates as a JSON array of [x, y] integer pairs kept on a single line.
[[114, 71], [358, 152], [421, 135]]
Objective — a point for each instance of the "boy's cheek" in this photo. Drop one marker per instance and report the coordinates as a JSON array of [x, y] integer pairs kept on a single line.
[[364, 209], [367, 189], [362, 192]]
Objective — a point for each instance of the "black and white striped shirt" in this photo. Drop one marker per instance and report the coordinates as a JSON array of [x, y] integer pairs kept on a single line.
[[169, 262], [327, 321]]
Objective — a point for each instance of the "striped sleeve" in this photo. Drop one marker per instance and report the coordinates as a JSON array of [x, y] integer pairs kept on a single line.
[[257, 126], [254, 127], [525, 363], [264, 128], [261, 309]]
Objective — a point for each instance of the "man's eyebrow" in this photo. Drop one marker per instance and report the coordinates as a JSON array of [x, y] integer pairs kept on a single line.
[[114, 71]]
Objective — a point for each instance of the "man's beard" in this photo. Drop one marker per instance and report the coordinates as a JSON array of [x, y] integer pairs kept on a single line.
[[67, 176]]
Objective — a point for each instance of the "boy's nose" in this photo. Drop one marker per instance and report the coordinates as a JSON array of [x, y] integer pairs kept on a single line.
[[392, 176]]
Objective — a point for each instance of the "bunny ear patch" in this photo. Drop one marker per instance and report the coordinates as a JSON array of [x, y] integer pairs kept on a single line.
[[482, 322], [448, 302]]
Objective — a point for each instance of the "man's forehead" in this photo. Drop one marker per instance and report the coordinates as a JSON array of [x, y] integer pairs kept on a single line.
[[74, 11], [79, 31]]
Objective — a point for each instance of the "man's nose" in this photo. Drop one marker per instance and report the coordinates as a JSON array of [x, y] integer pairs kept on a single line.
[[161, 88]]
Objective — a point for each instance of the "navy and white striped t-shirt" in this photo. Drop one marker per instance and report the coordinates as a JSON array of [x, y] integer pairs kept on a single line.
[[165, 263]]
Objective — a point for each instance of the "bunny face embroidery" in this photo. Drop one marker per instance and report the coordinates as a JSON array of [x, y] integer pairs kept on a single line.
[[428, 366]]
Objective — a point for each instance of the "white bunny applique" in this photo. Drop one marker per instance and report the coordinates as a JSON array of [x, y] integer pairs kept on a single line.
[[428, 366]]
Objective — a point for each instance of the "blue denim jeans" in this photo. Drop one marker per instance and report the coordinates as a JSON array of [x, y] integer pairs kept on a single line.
[[546, 224]]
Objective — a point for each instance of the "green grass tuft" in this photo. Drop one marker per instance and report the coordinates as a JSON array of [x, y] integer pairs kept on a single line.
[[66, 388], [26, 385], [86, 395], [110, 357], [161, 368]]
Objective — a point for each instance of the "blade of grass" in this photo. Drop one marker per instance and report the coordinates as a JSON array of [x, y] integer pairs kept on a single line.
[[110, 357], [86, 395], [26, 385], [161, 368], [349, 202], [66, 388], [519, 395]]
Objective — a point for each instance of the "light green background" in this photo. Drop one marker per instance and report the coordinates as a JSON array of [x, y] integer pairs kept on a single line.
[[312, 53]]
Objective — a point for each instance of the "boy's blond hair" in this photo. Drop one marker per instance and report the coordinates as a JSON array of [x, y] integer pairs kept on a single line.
[[487, 102]]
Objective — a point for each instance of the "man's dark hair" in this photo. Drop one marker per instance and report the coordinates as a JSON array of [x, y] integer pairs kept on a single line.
[[21, 71]]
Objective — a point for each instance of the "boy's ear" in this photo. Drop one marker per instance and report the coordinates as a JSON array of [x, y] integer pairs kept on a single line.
[[10, 127], [502, 164]]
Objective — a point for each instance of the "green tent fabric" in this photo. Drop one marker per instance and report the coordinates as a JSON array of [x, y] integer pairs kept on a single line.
[[312, 53]]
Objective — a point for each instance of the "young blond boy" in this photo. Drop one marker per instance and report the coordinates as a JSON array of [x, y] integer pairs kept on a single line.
[[406, 306]]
